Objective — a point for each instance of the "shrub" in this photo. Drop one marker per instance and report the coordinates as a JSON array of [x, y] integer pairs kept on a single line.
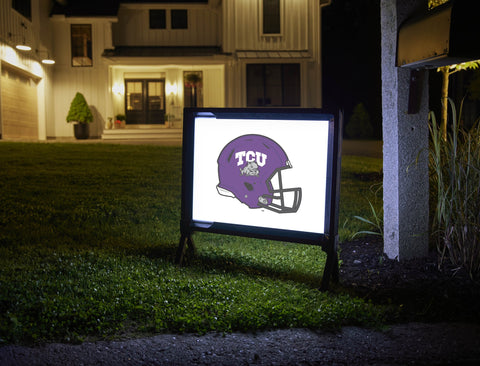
[[455, 180], [359, 125], [79, 110]]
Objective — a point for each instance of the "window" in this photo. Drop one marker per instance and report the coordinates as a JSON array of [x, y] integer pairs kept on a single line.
[[192, 89], [273, 85], [24, 7], [271, 17], [158, 19], [134, 95], [179, 19], [145, 101], [81, 44]]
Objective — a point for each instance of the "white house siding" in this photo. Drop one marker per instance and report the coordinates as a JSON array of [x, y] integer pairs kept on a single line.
[[233, 25], [299, 42], [242, 26], [133, 27], [36, 33], [214, 87], [91, 81]]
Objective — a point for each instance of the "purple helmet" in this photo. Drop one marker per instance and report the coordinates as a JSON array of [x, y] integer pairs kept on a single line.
[[249, 169]]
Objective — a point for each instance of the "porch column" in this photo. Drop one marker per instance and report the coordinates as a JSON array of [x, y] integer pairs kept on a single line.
[[405, 137]]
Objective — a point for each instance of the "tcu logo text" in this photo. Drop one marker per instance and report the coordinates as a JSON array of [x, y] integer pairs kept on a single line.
[[251, 156]]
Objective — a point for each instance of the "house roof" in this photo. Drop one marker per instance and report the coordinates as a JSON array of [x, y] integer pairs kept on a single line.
[[89, 8], [85, 8], [159, 51]]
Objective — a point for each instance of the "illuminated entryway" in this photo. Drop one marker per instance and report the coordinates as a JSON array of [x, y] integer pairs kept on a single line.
[[145, 101]]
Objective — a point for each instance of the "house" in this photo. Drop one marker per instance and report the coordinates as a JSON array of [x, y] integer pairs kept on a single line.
[[147, 60]]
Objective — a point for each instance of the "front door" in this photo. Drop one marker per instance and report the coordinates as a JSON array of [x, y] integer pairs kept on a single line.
[[145, 101]]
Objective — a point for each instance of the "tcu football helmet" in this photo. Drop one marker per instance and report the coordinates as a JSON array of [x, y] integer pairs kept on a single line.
[[250, 169]]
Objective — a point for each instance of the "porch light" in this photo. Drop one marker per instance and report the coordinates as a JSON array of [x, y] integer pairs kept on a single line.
[[172, 89], [118, 89], [47, 60], [23, 47]]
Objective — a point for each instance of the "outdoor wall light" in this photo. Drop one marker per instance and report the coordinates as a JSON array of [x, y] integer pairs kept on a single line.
[[172, 89], [22, 46], [47, 60], [118, 89]]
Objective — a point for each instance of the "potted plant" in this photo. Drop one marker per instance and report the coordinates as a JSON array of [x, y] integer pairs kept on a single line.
[[120, 121], [81, 116]]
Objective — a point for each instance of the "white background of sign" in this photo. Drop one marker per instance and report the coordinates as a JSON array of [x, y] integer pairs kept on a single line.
[[306, 145]]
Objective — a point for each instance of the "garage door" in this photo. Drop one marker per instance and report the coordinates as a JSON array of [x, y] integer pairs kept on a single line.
[[19, 105]]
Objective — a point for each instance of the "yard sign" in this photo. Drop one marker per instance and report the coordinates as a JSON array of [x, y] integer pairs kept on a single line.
[[263, 173]]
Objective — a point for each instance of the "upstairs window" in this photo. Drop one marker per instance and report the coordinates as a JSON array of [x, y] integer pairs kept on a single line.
[[81, 40], [158, 19], [24, 7], [273, 85], [179, 19], [271, 17]]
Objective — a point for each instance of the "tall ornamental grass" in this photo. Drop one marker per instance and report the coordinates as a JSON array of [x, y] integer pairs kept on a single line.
[[455, 178]]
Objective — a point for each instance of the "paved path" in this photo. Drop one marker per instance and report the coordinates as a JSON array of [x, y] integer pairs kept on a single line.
[[402, 344]]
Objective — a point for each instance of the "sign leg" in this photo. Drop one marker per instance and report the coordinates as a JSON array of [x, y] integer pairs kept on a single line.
[[185, 241], [331, 271]]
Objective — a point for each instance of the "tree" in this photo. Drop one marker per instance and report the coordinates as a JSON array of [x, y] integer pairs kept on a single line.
[[434, 3], [359, 125], [446, 72]]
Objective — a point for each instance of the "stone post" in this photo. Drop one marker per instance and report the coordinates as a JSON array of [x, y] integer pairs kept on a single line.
[[405, 144]]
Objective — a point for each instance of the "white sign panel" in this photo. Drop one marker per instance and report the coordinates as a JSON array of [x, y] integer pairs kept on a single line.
[[269, 173]]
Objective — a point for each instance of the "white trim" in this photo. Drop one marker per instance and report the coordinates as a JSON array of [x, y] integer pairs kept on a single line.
[[83, 20]]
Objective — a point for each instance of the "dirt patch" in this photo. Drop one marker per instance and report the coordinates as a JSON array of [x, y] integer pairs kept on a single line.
[[423, 292], [439, 323]]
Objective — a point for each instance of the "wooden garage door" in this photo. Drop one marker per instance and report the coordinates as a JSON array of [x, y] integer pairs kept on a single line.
[[19, 105]]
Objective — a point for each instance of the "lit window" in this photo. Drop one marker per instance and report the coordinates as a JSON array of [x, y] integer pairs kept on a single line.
[[193, 89], [81, 44]]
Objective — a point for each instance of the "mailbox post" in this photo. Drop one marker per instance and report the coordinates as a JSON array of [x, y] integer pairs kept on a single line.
[[423, 40]]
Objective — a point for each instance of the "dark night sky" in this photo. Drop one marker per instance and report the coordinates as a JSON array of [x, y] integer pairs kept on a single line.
[[351, 58]]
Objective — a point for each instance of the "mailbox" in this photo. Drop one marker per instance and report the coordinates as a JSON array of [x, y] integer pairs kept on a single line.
[[446, 35]]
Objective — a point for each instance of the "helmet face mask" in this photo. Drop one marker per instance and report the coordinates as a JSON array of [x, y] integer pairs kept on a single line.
[[250, 169]]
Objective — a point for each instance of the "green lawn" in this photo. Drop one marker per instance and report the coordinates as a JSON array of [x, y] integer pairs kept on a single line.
[[88, 234]]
